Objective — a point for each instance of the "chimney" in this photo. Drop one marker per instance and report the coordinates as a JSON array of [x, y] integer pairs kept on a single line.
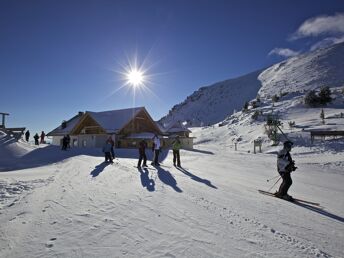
[[80, 113], [63, 124]]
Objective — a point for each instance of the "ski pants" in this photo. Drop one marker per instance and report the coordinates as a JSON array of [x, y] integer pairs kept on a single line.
[[108, 157], [142, 157], [286, 183], [156, 157], [176, 157]]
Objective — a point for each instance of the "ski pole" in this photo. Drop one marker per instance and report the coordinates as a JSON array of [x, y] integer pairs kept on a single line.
[[275, 183], [268, 180], [283, 133]]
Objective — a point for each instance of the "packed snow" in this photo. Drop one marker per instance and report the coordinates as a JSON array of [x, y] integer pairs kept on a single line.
[[56, 203]]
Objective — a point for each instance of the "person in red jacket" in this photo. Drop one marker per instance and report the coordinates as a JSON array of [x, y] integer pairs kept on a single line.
[[42, 137]]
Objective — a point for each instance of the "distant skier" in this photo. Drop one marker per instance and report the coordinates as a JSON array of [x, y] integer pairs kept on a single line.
[[27, 135], [157, 146], [142, 153], [113, 146], [176, 145], [36, 137], [107, 151], [64, 143], [285, 165], [153, 152], [42, 137], [67, 141]]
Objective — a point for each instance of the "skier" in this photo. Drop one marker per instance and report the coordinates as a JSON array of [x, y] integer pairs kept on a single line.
[[42, 137], [176, 145], [27, 135], [112, 146], [107, 151], [36, 137], [156, 141], [285, 165], [153, 152], [67, 141], [142, 153], [64, 143]]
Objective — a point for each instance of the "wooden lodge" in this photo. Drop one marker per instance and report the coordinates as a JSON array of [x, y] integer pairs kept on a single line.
[[126, 127]]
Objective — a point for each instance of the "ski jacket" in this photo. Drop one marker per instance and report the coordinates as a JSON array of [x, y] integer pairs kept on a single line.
[[156, 143], [142, 147], [107, 147], [176, 145], [284, 161], [111, 142]]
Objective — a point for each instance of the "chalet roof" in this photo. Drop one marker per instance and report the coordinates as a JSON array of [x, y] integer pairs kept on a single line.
[[70, 124], [114, 120], [111, 121], [176, 127]]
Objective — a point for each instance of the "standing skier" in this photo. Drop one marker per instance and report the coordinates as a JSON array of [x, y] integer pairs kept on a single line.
[[42, 137], [142, 153], [36, 137], [176, 145], [107, 151], [285, 165], [27, 135], [157, 145], [112, 146]]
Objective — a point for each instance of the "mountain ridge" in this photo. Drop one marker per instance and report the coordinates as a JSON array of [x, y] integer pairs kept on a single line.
[[309, 71]]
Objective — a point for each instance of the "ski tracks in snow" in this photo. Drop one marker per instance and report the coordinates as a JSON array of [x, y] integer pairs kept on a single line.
[[258, 234]]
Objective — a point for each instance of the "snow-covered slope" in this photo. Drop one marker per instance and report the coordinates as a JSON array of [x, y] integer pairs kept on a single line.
[[78, 206], [214, 103], [323, 67]]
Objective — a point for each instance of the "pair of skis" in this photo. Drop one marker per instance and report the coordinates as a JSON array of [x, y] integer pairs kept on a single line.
[[294, 199]]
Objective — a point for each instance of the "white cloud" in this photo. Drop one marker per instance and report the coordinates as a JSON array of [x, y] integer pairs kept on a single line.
[[327, 42], [285, 52], [321, 25]]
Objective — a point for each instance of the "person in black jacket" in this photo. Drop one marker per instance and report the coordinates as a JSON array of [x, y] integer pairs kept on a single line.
[[142, 153], [36, 137], [285, 165], [27, 135]]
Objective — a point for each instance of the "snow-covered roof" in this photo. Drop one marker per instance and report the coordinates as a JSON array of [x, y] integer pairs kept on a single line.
[[70, 124], [114, 120], [111, 121], [176, 127]]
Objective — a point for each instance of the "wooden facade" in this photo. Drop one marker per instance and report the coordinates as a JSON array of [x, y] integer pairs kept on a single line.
[[91, 129]]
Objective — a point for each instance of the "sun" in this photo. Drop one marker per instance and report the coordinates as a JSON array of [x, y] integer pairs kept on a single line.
[[135, 78]]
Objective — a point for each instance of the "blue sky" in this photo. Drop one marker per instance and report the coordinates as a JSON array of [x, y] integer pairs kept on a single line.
[[61, 57]]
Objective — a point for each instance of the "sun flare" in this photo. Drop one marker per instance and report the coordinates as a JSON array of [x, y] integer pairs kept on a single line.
[[135, 78]]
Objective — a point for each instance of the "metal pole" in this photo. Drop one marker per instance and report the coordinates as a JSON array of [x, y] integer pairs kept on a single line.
[[267, 180], [275, 183]]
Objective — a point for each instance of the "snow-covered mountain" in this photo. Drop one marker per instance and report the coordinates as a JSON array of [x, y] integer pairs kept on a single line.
[[212, 104]]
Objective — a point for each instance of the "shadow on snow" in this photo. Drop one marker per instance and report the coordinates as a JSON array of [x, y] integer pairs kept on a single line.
[[320, 211], [99, 168], [196, 178], [47, 155], [146, 182], [167, 178]]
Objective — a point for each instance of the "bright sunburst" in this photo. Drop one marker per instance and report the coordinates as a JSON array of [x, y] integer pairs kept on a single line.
[[135, 78]]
